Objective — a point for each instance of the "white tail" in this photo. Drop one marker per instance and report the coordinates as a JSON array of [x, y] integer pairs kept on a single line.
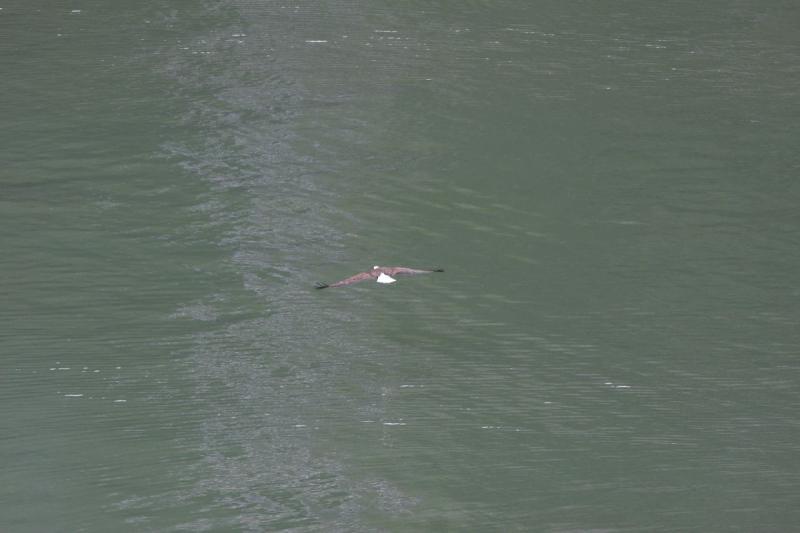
[[383, 278]]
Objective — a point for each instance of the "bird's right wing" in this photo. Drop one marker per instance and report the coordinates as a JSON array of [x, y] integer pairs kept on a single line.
[[362, 276]]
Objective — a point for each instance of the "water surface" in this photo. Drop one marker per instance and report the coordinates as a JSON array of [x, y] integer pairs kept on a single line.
[[611, 190]]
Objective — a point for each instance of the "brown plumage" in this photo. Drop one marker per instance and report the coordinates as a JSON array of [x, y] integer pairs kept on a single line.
[[379, 274]]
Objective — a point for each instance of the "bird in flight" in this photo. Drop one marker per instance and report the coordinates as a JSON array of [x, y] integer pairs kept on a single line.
[[379, 274]]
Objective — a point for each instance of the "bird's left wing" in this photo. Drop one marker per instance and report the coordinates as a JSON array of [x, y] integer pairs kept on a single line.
[[404, 271]]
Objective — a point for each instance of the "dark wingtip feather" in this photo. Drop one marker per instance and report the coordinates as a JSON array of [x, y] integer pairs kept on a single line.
[[438, 270], [321, 286]]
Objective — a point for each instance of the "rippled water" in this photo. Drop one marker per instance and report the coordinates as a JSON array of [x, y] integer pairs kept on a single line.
[[610, 188]]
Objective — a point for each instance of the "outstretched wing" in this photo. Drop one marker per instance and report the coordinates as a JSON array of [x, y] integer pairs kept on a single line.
[[363, 276], [403, 271]]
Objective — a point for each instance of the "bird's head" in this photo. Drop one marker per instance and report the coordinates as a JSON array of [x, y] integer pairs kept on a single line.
[[376, 267]]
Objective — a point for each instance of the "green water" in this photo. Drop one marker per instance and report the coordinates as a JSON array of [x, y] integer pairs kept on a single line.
[[611, 187]]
